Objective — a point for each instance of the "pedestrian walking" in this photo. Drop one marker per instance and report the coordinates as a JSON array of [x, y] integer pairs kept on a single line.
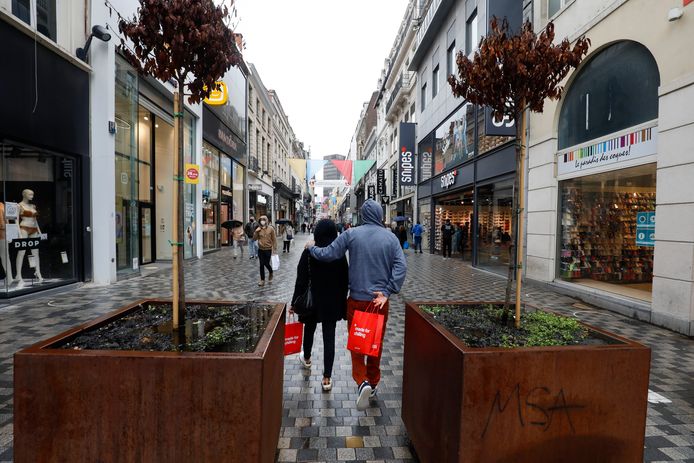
[[238, 237], [329, 285], [303, 227], [402, 235], [249, 229], [377, 269], [417, 232], [447, 231], [267, 246], [287, 236]]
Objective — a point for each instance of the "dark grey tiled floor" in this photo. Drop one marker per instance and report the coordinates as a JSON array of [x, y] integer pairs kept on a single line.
[[321, 426]]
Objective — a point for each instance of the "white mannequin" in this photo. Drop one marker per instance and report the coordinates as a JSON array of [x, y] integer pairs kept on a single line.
[[4, 253], [28, 228]]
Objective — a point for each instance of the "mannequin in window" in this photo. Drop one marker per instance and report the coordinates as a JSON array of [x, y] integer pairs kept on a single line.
[[4, 253], [28, 228]]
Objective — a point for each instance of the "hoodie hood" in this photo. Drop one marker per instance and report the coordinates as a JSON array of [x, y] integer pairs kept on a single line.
[[324, 233], [371, 212]]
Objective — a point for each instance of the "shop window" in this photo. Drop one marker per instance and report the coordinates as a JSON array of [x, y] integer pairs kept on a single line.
[[45, 19], [37, 242], [459, 209], [455, 139], [494, 224], [210, 197], [190, 202], [238, 199], [615, 90], [607, 223]]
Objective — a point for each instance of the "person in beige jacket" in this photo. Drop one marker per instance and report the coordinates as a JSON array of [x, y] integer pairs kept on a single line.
[[267, 245]]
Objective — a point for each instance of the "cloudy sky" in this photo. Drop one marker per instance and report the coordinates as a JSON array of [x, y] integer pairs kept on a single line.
[[323, 57]]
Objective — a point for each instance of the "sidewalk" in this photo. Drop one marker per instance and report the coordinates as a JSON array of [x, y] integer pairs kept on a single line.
[[319, 426]]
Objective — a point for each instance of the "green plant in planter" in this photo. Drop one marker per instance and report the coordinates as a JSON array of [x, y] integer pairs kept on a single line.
[[509, 73]]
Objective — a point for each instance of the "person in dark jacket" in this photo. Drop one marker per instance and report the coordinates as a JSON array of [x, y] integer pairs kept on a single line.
[[402, 235], [447, 231], [329, 285]]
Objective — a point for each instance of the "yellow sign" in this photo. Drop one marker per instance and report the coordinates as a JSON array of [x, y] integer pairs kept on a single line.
[[218, 97], [192, 174]]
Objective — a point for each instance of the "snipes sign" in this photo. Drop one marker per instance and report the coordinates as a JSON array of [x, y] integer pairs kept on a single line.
[[406, 172]]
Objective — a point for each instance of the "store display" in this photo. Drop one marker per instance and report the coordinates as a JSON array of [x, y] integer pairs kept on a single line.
[[598, 235], [28, 228], [457, 214], [4, 253]]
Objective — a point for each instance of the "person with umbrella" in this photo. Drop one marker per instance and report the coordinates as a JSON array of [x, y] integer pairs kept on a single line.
[[288, 236]]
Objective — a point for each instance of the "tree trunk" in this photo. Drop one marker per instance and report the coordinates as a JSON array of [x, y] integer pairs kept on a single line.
[[177, 229], [515, 263]]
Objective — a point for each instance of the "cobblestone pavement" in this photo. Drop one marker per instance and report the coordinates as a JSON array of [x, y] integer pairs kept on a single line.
[[319, 426]]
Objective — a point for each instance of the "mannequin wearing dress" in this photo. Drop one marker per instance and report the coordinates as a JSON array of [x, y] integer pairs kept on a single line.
[[28, 228], [3, 246]]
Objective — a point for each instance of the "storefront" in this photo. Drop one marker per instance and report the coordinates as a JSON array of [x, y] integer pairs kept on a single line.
[[606, 173], [474, 192], [144, 157], [44, 165]]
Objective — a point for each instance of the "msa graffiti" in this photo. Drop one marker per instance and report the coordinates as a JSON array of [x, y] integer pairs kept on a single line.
[[532, 409]]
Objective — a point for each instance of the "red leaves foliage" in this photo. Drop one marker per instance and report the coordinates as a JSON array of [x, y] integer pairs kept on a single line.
[[509, 72], [184, 40]]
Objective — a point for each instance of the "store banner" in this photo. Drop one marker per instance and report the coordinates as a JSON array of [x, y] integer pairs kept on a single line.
[[381, 181], [503, 128], [624, 148], [371, 192], [406, 170]]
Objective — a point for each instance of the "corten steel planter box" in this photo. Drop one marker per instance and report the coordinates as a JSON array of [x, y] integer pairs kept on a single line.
[[569, 404], [108, 406]]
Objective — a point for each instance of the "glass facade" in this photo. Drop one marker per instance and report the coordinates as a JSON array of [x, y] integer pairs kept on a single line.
[[454, 141], [607, 223], [37, 236], [494, 224], [210, 197]]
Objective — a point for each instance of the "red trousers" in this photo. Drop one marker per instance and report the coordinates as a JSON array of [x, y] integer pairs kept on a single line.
[[364, 367]]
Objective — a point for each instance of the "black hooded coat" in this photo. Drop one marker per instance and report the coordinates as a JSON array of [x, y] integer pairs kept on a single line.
[[329, 280]]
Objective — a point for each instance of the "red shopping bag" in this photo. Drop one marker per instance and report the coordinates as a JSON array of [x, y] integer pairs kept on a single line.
[[293, 336], [366, 332]]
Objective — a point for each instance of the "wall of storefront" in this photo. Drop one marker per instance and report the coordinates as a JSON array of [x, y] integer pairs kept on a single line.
[[44, 155], [671, 301]]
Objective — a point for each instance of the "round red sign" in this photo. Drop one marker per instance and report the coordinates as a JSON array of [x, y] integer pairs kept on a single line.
[[192, 174]]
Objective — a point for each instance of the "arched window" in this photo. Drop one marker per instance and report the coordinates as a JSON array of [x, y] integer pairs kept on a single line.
[[616, 89]]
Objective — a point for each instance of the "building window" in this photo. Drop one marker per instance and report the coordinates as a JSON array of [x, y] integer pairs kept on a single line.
[[455, 139], [471, 34], [615, 90], [450, 60], [423, 103], [435, 82], [554, 6], [45, 19]]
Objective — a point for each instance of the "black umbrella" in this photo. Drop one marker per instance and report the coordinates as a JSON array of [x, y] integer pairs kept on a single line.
[[283, 222], [400, 218], [229, 224]]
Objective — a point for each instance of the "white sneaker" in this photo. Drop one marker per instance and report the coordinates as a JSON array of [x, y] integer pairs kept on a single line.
[[329, 386], [364, 394], [306, 364], [374, 389]]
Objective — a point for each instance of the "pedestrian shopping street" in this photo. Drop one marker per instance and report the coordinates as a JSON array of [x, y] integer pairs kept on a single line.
[[320, 426]]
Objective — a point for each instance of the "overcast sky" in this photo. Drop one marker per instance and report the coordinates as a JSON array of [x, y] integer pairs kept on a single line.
[[323, 57]]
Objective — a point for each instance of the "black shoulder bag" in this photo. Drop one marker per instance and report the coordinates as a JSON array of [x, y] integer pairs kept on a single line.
[[303, 305]]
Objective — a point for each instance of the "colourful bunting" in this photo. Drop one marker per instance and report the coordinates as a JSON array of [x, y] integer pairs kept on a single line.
[[299, 167], [345, 168], [361, 168], [313, 166]]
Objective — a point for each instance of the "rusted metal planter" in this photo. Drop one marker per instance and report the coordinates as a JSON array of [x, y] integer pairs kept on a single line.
[[540, 404], [108, 406]]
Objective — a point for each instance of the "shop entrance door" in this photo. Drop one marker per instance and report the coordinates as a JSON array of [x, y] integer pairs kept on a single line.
[[224, 215], [146, 236], [459, 209]]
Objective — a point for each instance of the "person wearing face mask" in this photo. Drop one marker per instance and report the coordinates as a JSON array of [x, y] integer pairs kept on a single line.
[[267, 245]]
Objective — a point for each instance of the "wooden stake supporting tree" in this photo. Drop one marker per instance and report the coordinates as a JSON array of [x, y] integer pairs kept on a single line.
[[512, 73], [189, 42]]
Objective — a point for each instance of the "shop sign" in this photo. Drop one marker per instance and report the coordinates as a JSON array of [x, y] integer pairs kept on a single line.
[[261, 199], [633, 145], [645, 229], [406, 158], [219, 96], [192, 174], [385, 199], [371, 192], [381, 181], [255, 186], [504, 128], [448, 180], [26, 243]]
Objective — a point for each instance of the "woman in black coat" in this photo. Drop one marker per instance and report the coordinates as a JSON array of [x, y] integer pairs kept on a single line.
[[329, 286]]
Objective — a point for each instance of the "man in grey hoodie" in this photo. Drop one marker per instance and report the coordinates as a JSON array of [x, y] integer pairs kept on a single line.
[[377, 269]]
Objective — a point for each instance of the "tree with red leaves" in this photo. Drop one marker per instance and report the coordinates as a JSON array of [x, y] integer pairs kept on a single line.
[[512, 73], [187, 41]]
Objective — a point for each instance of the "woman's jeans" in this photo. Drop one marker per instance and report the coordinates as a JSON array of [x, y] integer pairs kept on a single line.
[[252, 248], [264, 258], [328, 344], [417, 243]]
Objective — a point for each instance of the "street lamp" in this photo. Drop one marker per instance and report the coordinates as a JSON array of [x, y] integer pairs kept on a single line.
[[101, 33]]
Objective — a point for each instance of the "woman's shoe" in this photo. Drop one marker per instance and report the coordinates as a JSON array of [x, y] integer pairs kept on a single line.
[[327, 386], [261, 283], [270, 277], [305, 363]]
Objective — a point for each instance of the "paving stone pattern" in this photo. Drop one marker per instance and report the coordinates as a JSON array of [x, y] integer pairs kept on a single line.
[[318, 426]]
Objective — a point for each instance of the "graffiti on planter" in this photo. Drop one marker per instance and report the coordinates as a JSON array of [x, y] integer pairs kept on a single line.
[[532, 409]]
